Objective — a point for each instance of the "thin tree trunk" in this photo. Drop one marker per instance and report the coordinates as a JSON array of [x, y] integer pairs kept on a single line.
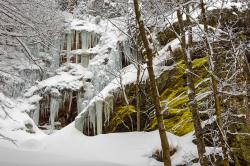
[[218, 108], [191, 93], [153, 86], [138, 111], [127, 103]]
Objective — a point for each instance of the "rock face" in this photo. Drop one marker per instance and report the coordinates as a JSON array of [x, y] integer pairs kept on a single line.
[[174, 97], [117, 116]]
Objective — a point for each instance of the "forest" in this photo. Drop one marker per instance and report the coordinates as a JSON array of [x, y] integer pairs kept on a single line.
[[124, 83]]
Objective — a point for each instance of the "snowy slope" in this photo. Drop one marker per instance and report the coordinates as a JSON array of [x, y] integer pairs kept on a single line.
[[15, 123]]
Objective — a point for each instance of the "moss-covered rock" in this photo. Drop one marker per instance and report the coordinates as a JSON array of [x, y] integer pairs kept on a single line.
[[177, 117], [173, 95], [121, 116]]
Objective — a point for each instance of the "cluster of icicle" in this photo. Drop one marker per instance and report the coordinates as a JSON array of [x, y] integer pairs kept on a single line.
[[95, 115], [54, 101], [91, 119], [88, 39], [127, 52], [79, 40]]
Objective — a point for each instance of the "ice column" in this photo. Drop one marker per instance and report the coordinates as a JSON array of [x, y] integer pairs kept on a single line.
[[54, 109], [69, 40], [84, 36], [77, 44], [36, 114], [99, 110], [92, 117], [85, 60], [108, 107]]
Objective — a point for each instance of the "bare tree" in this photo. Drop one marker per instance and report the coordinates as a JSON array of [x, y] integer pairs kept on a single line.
[[30, 23], [218, 108], [154, 91], [186, 49]]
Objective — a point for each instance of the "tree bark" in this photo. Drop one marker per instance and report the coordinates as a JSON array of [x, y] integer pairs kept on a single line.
[[191, 94], [153, 86]]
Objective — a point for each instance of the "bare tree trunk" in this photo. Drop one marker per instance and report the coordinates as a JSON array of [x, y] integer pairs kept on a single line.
[[153, 86], [138, 111], [127, 102], [218, 108], [191, 94]]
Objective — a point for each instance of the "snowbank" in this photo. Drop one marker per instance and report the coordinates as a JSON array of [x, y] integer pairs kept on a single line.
[[69, 147]]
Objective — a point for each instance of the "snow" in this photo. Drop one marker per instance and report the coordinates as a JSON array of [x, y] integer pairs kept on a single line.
[[15, 123], [11, 157], [214, 4], [70, 147], [70, 76]]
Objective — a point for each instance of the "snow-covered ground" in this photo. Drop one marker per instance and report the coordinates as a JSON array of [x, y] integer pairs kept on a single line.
[[70, 147]]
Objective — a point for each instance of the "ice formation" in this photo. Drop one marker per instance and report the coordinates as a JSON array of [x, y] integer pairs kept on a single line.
[[58, 93], [92, 118], [102, 51], [75, 45], [54, 109]]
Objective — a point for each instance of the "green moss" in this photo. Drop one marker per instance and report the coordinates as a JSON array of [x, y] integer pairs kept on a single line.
[[180, 125], [177, 121], [177, 118], [120, 114], [178, 101], [199, 62]]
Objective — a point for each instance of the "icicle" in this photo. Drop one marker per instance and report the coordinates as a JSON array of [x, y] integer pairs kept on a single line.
[[45, 106], [85, 60], [77, 40], [69, 40], [118, 56], [73, 32], [55, 103], [79, 102], [92, 117], [89, 39], [95, 39], [108, 108], [94, 42], [99, 111], [36, 115], [54, 109], [84, 36]]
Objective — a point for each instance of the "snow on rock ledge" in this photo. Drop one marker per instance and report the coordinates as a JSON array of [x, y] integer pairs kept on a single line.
[[58, 99]]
